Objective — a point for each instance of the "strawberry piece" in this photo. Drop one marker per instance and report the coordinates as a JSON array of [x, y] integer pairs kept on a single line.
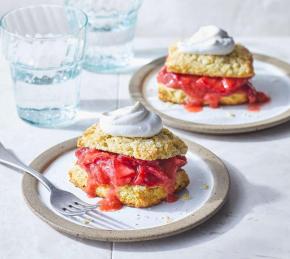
[[262, 97], [193, 107], [171, 197], [212, 100], [146, 178], [111, 202], [200, 89], [105, 168], [80, 152]]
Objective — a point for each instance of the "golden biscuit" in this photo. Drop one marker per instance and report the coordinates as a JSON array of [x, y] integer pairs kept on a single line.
[[162, 146], [238, 64], [131, 195], [178, 96]]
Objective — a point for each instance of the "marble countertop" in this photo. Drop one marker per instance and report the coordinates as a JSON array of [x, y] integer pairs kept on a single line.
[[255, 222]]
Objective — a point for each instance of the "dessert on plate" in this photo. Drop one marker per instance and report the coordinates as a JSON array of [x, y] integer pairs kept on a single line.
[[208, 69], [129, 158]]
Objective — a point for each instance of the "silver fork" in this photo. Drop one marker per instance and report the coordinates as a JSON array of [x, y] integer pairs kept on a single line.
[[64, 202]]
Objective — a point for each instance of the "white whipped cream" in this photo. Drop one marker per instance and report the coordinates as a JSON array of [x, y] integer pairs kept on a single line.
[[208, 40], [131, 121]]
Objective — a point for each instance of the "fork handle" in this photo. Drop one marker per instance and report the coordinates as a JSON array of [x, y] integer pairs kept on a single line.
[[8, 158]]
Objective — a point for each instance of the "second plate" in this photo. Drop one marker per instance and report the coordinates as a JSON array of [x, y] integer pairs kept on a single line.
[[272, 77]]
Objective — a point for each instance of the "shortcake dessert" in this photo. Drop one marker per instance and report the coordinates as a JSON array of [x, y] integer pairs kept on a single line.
[[129, 158], [208, 69]]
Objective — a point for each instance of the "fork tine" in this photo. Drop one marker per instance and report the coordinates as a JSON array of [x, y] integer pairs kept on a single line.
[[80, 210], [107, 218], [67, 212], [97, 213], [92, 214], [111, 223], [80, 204], [88, 220]]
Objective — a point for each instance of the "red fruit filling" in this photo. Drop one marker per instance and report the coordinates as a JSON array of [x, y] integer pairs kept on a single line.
[[105, 168], [200, 89]]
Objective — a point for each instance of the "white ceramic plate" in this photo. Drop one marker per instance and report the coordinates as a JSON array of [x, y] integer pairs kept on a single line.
[[209, 185], [272, 77]]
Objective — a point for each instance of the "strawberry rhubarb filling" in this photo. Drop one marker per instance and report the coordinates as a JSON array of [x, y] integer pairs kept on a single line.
[[115, 170], [209, 90]]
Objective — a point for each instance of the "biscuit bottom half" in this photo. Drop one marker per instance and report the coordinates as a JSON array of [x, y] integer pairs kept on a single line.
[[178, 96], [131, 195]]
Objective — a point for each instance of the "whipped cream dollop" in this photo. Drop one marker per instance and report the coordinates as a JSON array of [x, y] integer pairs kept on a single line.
[[208, 40], [131, 121]]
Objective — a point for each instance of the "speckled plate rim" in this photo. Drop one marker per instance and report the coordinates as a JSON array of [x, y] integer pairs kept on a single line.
[[221, 182], [136, 89]]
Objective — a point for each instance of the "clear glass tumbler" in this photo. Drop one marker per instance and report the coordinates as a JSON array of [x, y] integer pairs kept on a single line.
[[44, 45], [111, 29]]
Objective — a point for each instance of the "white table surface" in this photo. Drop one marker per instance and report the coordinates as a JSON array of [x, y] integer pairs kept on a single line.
[[254, 224]]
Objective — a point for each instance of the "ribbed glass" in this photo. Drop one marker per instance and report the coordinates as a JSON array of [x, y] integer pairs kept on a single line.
[[111, 29], [44, 45]]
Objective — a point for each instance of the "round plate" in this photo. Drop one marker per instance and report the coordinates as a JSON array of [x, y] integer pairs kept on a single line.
[[207, 192], [272, 77]]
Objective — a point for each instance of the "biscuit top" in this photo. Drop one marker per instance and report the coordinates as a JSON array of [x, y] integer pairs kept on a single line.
[[131, 121], [238, 64], [161, 146]]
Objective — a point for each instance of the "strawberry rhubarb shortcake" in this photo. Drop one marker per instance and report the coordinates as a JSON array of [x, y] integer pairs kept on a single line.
[[129, 158], [208, 69]]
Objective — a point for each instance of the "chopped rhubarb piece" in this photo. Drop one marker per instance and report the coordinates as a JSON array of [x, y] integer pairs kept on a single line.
[[193, 107], [111, 202], [146, 178], [114, 170], [171, 198], [209, 90], [262, 97]]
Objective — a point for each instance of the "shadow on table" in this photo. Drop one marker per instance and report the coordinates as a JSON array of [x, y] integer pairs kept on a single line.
[[97, 244], [243, 198], [142, 57], [152, 52], [279, 132], [97, 105], [92, 109]]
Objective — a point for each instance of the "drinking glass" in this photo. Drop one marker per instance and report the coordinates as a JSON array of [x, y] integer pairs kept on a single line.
[[111, 28], [44, 45]]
